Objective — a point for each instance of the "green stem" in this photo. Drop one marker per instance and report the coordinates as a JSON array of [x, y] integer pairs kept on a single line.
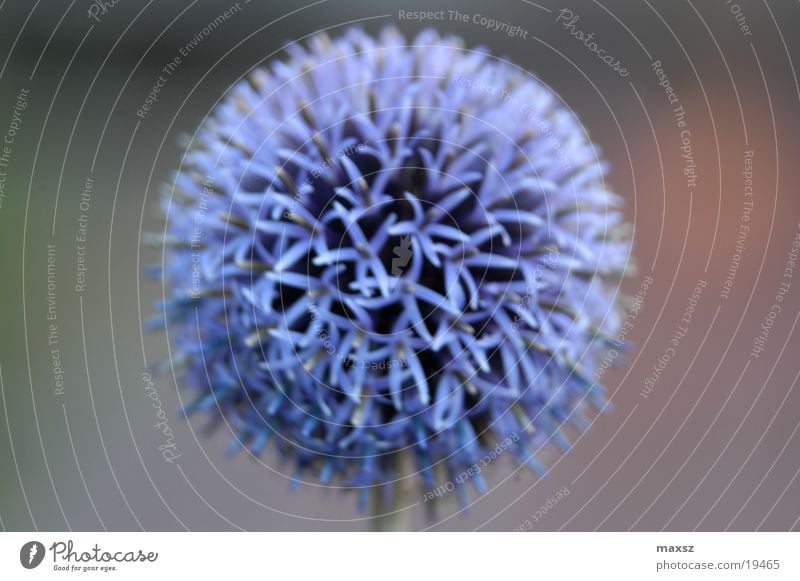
[[396, 515]]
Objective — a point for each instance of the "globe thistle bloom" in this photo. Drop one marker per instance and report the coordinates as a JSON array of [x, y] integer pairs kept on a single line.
[[380, 247]]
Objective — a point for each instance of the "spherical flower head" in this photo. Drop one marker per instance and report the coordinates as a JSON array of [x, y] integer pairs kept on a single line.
[[381, 247]]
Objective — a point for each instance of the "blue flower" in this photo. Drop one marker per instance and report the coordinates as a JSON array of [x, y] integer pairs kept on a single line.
[[378, 248]]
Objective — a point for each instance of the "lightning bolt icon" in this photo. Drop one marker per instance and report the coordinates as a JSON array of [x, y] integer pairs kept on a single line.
[[34, 551]]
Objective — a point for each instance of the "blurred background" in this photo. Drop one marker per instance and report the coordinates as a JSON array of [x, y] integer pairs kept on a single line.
[[703, 434]]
